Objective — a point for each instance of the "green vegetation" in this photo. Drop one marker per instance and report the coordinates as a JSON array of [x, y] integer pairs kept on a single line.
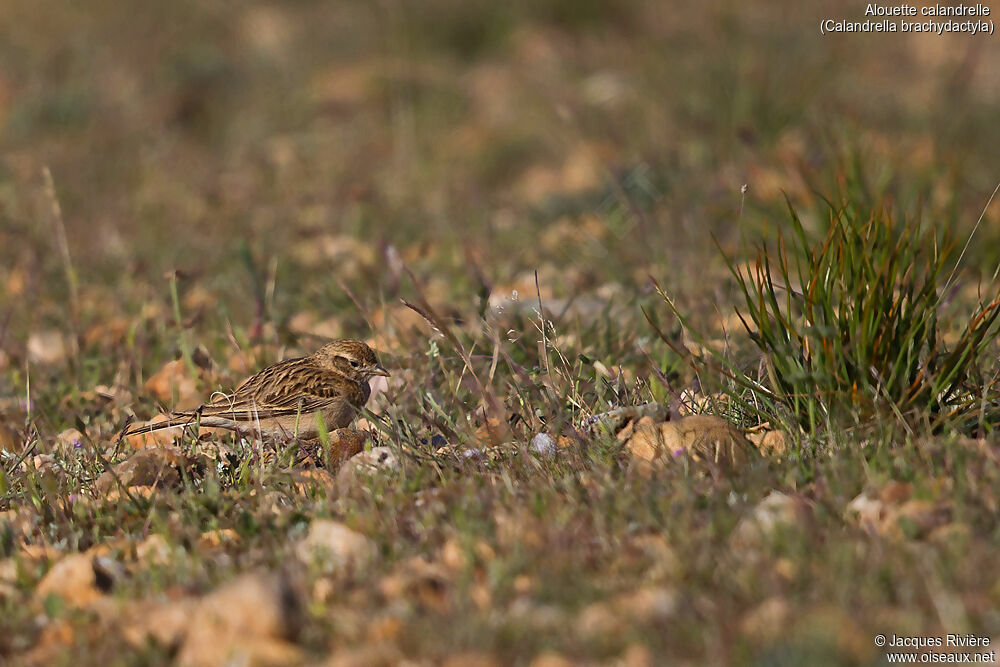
[[849, 327]]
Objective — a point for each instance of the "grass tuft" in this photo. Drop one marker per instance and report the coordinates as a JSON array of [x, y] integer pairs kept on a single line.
[[853, 324]]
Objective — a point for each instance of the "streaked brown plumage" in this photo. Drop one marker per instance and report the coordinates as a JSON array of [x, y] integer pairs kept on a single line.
[[283, 400]]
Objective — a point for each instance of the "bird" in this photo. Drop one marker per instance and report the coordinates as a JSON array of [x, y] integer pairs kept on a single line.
[[287, 400]]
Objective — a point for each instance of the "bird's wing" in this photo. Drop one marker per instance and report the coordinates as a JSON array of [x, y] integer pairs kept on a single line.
[[291, 387]]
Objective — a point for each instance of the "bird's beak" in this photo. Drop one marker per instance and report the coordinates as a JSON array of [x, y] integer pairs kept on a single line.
[[378, 370]]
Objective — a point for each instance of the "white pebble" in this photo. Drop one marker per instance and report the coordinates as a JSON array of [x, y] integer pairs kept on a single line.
[[543, 444]]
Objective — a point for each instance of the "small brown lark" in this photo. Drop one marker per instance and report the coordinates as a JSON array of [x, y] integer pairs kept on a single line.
[[285, 400]]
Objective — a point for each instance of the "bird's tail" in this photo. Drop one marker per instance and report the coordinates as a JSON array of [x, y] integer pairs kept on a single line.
[[175, 420]]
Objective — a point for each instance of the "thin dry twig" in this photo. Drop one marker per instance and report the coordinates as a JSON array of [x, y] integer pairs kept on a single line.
[[968, 241], [62, 243], [541, 320]]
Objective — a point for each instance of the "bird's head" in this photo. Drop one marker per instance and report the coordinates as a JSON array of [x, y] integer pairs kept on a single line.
[[351, 358]]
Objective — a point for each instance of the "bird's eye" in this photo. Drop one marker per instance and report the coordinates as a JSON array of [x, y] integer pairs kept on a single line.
[[355, 363]]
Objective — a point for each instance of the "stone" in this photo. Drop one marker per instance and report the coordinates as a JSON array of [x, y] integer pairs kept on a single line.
[[544, 445], [599, 620], [470, 659], [167, 623], [218, 539], [156, 550], [154, 466], [665, 564], [621, 418], [895, 492], [47, 348], [650, 604], [637, 655], [493, 432], [73, 579], [645, 443], [453, 556], [866, 511], [551, 659], [345, 443], [382, 654], [916, 519], [417, 580], [707, 438], [333, 547], [69, 440], [777, 511], [174, 385], [162, 438], [310, 481], [771, 443], [703, 438], [378, 460], [893, 514], [766, 622], [250, 620]]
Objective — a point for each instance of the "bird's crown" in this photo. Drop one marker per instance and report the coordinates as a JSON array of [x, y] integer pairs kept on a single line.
[[352, 357]]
